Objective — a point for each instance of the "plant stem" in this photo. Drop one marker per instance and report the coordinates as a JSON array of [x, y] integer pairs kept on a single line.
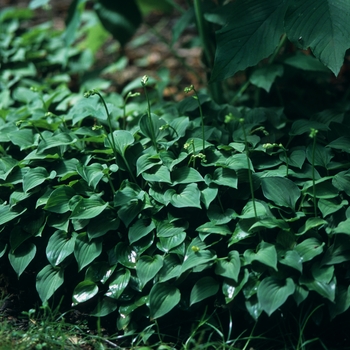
[[249, 169], [202, 117], [153, 137], [313, 136]]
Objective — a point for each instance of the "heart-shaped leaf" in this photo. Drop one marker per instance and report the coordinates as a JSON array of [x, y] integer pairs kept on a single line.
[[162, 299], [273, 292]]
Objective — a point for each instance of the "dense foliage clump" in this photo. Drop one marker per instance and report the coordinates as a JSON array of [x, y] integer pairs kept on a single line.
[[140, 208]]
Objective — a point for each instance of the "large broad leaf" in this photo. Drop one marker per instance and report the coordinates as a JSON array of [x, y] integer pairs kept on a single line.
[[60, 246], [35, 177], [120, 18], [140, 229], [163, 298], [252, 32], [273, 292], [122, 140], [7, 213], [229, 268], [265, 76], [104, 307], [326, 290], [118, 284], [84, 291], [58, 200], [189, 196], [196, 255], [186, 175], [309, 248], [342, 301], [266, 255], [21, 257], [48, 280], [323, 26], [280, 190], [86, 251], [88, 208], [147, 267], [204, 288]]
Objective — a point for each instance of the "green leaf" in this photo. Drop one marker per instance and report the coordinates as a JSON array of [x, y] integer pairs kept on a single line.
[[88, 208], [60, 246], [34, 177], [139, 229], [158, 173], [7, 213], [104, 307], [122, 139], [151, 127], [203, 289], [300, 294], [103, 223], [309, 248], [302, 126], [341, 302], [306, 62], [124, 254], [341, 181], [323, 156], [185, 175], [189, 196], [225, 177], [208, 195], [265, 76], [326, 290], [120, 19], [21, 257], [330, 206], [99, 271], [291, 258], [231, 289], [162, 299], [92, 174], [338, 252], [86, 251], [266, 255], [239, 42], [167, 243], [311, 224], [48, 280], [196, 255], [84, 291], [171, 268], [319, 24], [59, 199], [273, 292], [118, 284], [281, 191], [342, 143], [322, 273], [147, 267], [230, 268]]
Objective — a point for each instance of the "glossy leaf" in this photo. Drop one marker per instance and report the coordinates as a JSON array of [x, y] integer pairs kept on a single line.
[[140, 229], [84, 291], [86, 251], [60, 246], [147, 267], [118, 284], [8, 214], [104, 307], [88, 208], [58, 200], [229, 268], [273, 292], [162, 299]]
